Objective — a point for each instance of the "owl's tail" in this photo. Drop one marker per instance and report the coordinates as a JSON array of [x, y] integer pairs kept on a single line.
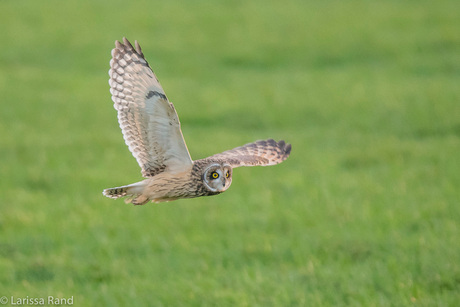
[[132, 191]]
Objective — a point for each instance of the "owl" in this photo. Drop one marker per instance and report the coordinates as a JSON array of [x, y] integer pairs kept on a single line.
[[151, 129]]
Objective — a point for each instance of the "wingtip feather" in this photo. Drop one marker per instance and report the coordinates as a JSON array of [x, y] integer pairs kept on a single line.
[[287, 150], [126, 44], [118, 45], [138, 48]]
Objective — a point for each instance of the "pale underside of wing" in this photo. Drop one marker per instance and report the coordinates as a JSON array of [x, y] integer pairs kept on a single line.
[[149, 122], [263, 153]]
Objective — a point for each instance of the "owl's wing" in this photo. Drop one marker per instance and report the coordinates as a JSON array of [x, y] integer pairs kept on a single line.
[[149, 122], [264, 153]]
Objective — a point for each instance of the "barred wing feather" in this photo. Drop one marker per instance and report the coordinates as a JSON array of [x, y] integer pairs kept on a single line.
[[149, 122], [263, 153]]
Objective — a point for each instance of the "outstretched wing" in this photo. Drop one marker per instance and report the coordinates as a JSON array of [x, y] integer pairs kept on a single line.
[[149, 122], [265, 152]]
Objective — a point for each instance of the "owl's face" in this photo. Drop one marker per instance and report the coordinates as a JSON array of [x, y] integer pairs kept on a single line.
[[217, 177]]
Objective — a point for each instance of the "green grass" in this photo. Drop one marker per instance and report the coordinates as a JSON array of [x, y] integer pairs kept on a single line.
[[365, 212]]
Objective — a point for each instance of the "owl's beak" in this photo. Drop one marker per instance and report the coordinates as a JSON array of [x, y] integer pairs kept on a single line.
[[223, 188]]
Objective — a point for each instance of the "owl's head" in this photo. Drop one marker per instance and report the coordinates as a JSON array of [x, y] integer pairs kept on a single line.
[[217, 177]]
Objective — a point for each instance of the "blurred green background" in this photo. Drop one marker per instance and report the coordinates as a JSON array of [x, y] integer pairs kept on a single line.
[[365, 212]]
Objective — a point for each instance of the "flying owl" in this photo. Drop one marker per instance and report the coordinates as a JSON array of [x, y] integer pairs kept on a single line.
[[151, 130]]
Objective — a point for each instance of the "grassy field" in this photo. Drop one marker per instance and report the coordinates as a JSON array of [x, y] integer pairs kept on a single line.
[[365, 212]]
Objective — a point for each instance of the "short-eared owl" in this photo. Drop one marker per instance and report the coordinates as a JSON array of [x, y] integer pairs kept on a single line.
[[151, 130]]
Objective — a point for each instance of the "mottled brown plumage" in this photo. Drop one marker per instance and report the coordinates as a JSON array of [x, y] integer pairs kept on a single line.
[[151, 129]]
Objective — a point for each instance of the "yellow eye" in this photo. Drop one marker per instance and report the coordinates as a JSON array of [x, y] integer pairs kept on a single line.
[[214, 175], [227, 174]]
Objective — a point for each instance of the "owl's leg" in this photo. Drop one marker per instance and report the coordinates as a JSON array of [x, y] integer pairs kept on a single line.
[[139, 200]]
